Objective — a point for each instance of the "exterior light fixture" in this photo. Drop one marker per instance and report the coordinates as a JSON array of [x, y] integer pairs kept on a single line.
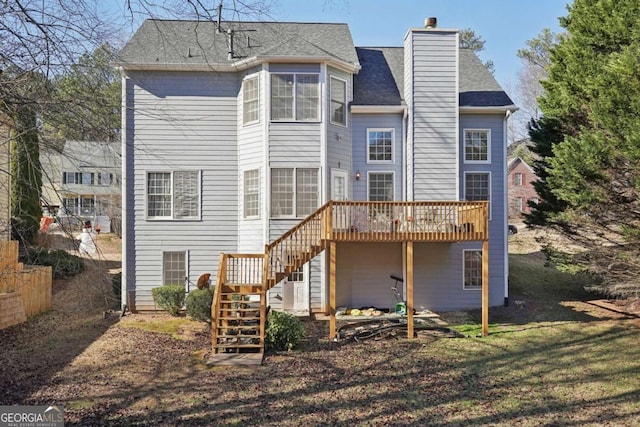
[[358, 175]]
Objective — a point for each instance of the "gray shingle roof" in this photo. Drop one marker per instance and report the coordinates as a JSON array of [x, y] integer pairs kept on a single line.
[[193, 43], [381, 80], [477, 87]]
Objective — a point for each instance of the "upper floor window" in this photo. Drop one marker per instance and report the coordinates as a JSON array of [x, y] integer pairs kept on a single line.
[[84, 178], [294, 192], [250, 100], [338, 101], [517, 178], [173, 195], [105, 178], [251, 193], [476, 145], [380, 145], [295, 97]]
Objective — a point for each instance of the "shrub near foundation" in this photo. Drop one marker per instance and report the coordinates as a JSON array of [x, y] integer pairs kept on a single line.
[[169, 297], [199, 304], [283, 331]]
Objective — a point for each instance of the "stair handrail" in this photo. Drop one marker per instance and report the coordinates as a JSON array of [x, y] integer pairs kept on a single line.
[[217, 295], [299, 225]]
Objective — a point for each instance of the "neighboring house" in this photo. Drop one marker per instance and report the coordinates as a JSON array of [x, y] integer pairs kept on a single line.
[[233, 134], [5, 179], [520, 181], [83, 183]]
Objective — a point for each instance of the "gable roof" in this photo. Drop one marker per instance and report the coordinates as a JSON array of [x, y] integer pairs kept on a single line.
[[177, 44], [514, 162]]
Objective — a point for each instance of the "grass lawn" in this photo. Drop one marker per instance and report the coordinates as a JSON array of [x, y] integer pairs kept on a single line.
[[558, 360]]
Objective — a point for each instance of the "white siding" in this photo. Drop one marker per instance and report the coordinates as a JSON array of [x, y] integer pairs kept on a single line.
[[183, 121]]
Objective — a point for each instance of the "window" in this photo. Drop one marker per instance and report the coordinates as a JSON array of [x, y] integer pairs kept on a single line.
[[295, 97], [298, 275], [472, 269], [87, 206], [380, 145], [87, 178], [173, 195], [517, 178], [534, 200], [69, 178], [251, 193], [476, 146], [476, 186], [518, 204], [250, 100], [380, 186], [338, 101], [70, 205], [294, 192], [105, 178], [174, 269]]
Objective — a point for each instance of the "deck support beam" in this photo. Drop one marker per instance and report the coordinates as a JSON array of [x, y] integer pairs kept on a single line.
[[485, 288], [332, 289], [409, 290]]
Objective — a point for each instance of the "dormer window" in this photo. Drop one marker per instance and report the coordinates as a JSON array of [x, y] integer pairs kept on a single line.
[[295, 97]]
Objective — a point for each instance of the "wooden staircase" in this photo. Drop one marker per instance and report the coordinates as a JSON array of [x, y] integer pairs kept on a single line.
[[239, 308]]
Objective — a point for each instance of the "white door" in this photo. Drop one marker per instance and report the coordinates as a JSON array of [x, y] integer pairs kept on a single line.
[[296, 292], [339, 189]]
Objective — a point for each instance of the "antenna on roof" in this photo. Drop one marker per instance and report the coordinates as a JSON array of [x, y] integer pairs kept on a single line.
[[230, 43], [219, 25]]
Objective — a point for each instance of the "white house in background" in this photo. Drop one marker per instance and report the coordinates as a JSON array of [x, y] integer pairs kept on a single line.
[[235, 133], [83, 183]]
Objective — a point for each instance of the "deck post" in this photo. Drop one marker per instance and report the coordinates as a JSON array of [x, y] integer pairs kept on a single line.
[[410, 290], [485, 288], [332, 290]]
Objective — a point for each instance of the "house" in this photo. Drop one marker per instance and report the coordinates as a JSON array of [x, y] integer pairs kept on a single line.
[[5, 179], [83, 183], [316, 168], [520, 181]]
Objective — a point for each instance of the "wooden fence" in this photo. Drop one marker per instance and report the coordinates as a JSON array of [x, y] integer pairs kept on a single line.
[[32, 283]]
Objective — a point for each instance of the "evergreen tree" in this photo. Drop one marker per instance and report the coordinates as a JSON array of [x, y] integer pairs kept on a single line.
[[589, 137]]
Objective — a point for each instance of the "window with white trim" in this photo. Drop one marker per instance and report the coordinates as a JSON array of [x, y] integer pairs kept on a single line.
[[519, 204], [294, 192], [173, 195], [105, 178], [517, 178], [251, 100], [174, 267], [380, 186], [476, 186], [84, 178], [295, 97], [251, 193], [338, 101], [472, 269], [476, 145], [380, 145]]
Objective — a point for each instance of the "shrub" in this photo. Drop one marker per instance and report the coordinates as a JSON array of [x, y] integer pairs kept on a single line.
[[199, 304], [283, 331], [169, 297], [62, 262]]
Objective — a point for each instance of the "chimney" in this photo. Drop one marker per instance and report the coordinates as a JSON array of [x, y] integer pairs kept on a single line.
[[431, 22]]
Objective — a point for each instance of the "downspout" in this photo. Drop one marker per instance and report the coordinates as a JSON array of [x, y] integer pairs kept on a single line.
[[505, 209], [123, 198]]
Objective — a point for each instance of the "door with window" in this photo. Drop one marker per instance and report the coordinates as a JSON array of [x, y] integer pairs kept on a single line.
[[339, 192], [296, 292]]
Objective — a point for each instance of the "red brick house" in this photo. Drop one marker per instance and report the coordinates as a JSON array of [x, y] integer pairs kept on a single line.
[[520, 180]]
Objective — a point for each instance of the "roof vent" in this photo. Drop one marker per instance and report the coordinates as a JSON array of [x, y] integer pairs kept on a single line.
[[431, 22]]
